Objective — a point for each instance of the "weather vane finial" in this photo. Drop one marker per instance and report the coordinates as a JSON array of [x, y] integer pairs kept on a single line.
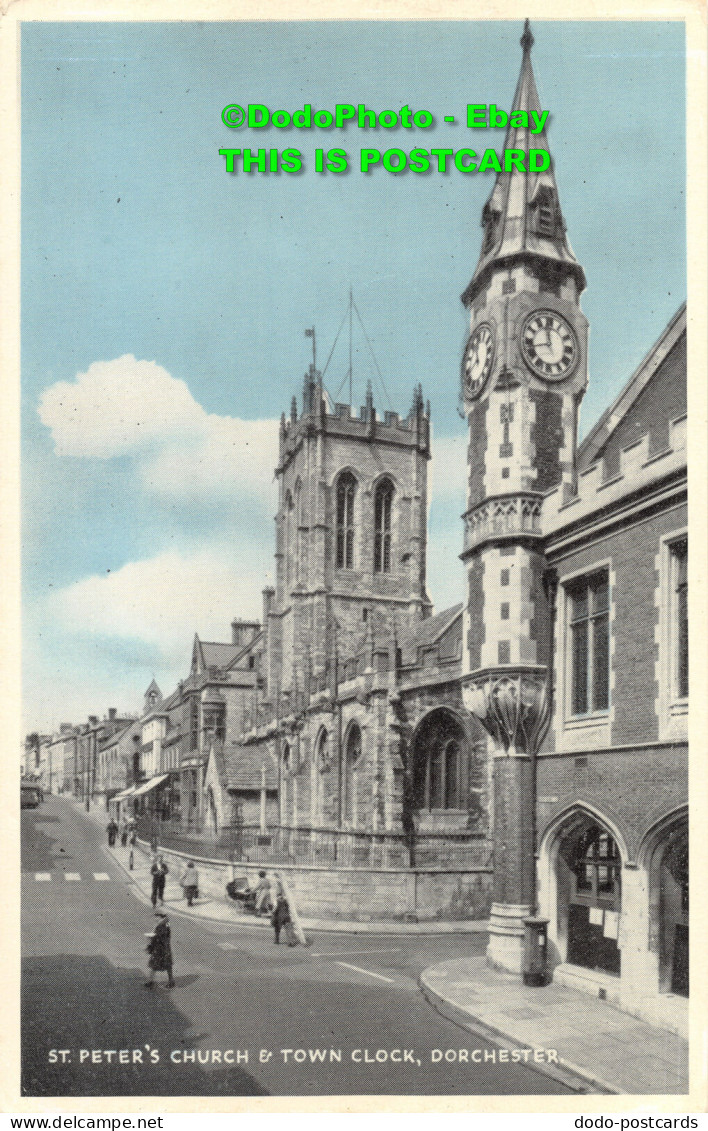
[[527, 40]]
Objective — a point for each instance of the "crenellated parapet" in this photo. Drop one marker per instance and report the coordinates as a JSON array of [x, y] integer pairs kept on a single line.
[[342, 421], [639, 468]]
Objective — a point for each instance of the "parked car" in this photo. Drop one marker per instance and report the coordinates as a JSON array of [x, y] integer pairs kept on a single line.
[[29, 797]]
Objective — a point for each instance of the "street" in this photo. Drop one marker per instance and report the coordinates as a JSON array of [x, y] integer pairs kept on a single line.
[[344, 1016]]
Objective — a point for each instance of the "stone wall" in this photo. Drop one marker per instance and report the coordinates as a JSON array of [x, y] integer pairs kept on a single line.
[[360, 894]]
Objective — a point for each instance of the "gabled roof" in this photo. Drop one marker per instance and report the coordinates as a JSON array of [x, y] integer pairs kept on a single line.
[[240, 766], [427, 633], [211, 654], [590, 450]]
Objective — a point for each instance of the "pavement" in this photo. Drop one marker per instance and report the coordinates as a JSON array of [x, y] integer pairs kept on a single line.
[[595, 1043], [613, 1051]]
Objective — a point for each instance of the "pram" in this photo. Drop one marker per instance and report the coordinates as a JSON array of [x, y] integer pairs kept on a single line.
[[238, 890]]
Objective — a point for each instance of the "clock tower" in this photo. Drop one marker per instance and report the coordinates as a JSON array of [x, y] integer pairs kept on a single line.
[[523, 375]]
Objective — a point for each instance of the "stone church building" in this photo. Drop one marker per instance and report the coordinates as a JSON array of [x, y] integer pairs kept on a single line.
[[526, 750]]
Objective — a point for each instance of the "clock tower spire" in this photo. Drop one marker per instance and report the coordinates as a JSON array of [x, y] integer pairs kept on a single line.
[[524, 372]]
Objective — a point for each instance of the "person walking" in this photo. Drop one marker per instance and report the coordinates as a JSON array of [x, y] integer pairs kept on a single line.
[[262, 894], [190, 883], [112, 830], [123, 833], [132, 840], [281, 918], [159, 872], [159, 948]]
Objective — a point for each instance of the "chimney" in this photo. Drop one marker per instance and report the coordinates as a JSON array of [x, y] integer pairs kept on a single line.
[[93, 719], [243, 631], [112, 712]]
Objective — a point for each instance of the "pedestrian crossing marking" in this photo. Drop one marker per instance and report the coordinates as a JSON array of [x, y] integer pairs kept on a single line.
[[46, 877]]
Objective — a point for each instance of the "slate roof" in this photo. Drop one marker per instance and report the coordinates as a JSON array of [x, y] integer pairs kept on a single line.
[[426, 633], [240, 766], [218, 655]]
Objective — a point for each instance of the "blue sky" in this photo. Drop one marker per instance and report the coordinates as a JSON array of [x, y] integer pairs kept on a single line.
[[164, 300]]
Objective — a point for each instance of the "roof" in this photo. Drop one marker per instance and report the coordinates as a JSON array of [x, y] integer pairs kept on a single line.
[[241, 767], [426, 633], [516, 192], [598, 437], [212, 654]]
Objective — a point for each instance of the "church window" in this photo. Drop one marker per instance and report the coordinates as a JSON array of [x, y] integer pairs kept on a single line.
[[589, 606], [382, 526], [353, 746], [346, 491], [442, 781], [352, 757], [439, 752]]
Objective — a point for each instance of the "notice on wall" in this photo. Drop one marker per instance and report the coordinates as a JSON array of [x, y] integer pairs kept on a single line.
[[611, 928], [596, 914]]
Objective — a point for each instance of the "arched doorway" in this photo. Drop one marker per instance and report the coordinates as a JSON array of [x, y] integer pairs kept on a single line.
[[668, 908], [589, 894]]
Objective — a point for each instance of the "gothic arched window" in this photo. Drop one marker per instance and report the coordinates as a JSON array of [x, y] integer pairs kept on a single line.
[[352, 756], [383, 500], [346, 490], [439, 750]]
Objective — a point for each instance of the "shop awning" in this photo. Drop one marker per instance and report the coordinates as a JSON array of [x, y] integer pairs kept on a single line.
[[124, 795], [153, 783]]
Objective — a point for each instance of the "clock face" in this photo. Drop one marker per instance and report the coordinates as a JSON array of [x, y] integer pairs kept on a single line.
[[477, 361], [549, 345]]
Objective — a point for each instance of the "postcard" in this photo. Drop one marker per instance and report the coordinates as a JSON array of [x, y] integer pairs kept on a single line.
[[358, 371]]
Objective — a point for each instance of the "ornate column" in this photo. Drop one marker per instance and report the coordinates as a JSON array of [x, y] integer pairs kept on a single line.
[[513, 707]]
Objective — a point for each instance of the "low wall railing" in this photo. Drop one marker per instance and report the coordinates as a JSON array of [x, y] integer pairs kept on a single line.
[[321, 847]]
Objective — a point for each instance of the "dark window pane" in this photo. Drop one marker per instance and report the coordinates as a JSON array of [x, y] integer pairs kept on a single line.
[[579, 695], [382, 527], [579, 603], [601, 662], [435, 800], [452, 758], [601, 593]]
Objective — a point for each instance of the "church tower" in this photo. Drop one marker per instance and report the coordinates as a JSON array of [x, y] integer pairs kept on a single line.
[[351, 534], [523, 373]]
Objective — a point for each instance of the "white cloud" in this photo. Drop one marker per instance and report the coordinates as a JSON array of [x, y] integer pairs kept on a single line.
[[136, 408], [163, 601]]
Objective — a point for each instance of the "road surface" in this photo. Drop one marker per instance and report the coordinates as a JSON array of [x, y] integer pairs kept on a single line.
[[344, 1016]]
